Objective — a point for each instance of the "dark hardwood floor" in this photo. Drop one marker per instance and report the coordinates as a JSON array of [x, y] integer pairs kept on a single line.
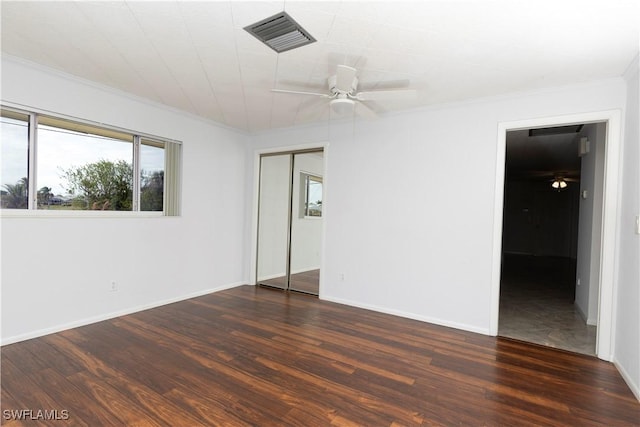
[[254, 356]]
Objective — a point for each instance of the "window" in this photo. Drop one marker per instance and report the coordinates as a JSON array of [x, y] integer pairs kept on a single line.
[[151, 175], [86, 167], [83, 167], [312, 187], [14, 181]]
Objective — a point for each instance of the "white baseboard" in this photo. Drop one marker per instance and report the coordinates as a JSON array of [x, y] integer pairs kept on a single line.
[[583, 315], [399, 313], [635, 388], [107, 316], [581, 312]]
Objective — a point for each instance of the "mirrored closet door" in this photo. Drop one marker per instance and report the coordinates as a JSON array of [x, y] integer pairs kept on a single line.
[[290, 221]]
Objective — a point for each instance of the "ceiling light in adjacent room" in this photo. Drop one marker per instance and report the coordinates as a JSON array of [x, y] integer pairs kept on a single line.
[[559, 184]]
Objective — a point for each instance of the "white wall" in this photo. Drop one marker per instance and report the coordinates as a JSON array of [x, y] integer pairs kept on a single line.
[[425, 251], [590, 223], [56, 272], [627, 337]]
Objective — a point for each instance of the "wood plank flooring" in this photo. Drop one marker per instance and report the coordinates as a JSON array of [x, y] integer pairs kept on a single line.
[[255, 356]]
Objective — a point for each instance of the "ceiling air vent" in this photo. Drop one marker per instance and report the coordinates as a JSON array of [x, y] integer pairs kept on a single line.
[[280, 32]]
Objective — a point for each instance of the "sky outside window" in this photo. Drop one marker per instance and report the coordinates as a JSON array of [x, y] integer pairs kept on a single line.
[[60, 150], [15, 150]]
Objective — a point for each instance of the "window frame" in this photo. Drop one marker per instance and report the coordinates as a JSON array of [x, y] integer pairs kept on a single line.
[[28, 119], [174, 164]]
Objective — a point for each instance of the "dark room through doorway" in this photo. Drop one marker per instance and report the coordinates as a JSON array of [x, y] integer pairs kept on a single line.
[[551, 196]]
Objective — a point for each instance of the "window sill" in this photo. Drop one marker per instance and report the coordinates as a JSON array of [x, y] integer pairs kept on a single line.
[[43, 213]]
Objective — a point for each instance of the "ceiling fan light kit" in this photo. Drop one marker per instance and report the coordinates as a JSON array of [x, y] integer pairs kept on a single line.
[[559, 184], [342, 105]]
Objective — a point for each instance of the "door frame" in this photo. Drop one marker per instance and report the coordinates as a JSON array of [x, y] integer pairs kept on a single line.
[[292, 149], [610, 208]]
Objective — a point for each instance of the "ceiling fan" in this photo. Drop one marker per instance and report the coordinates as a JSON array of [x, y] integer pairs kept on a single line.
[[344, 97], [559, 181]]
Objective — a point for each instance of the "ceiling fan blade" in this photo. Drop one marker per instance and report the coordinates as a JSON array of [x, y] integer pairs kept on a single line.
[[295, 85], [311, 102], [385, 85], [334, 59], [344, 78], [313, 109], [538, 174], [364, 111], [377, 95], [298, 92]]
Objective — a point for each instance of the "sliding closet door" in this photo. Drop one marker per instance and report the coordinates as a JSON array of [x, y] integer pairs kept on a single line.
[[273, 220], [306, 222]]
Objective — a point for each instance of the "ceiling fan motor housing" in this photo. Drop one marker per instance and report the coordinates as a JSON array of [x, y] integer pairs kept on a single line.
[[333, 87]]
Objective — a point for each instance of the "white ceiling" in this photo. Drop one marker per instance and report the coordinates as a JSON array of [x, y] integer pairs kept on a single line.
[[195, 56]]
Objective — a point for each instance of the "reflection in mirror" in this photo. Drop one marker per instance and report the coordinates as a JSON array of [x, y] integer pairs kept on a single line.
[[306, 227], [273, 220], [312, 195]]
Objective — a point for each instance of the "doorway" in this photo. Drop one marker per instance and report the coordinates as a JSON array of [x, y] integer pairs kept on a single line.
[[602, 245], [290, 221], [543, 231]]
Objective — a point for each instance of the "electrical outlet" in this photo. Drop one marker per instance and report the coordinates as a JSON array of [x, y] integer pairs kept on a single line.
[[114, 286], [637, 224], [342, 277], [578, 281]]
